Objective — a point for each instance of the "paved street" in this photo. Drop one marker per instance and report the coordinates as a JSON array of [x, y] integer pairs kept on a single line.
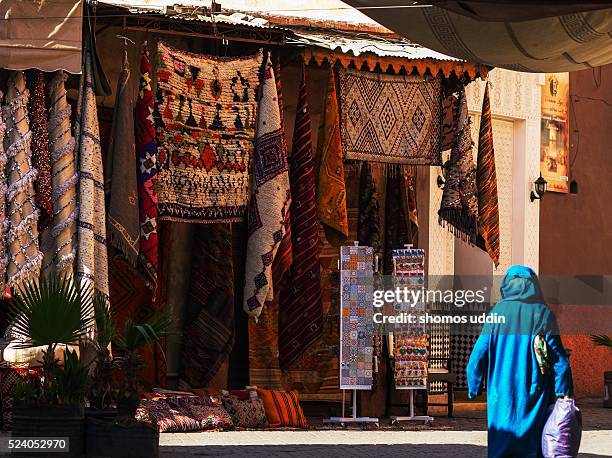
[[464, 436]]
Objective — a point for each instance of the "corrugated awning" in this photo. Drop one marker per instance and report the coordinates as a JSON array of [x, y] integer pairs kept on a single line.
[[44, 34], [372, 50]]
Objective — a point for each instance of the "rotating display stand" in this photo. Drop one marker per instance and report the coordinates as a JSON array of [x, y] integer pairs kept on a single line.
[[409, 344], [356, 327]]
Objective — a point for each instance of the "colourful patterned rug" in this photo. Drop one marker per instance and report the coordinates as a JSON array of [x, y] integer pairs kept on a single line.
[[146, 169], [390, 119], [206, 110]]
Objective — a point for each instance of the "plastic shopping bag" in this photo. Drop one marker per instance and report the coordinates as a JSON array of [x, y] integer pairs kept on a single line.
[[562, 431]]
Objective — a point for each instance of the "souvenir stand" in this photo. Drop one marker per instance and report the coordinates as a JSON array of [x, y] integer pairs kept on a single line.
[[357, 266], [409, 343]]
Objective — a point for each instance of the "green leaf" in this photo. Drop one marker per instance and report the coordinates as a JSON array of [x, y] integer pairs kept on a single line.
[[602, 340], [53, 311]]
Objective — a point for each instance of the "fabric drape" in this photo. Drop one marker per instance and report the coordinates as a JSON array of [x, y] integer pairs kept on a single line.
[[300, 307], [60, 239], [92, 256], [331, 188], [369, 225], [25, 257], [120, 172], [530, 38], [146, 169], [41, 34], [459, 206], [401, 217], [270, 198], [208, 336], [486, 182], [41, 157]]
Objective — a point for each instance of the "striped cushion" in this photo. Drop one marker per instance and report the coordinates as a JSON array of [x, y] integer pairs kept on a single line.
[[283, 408]]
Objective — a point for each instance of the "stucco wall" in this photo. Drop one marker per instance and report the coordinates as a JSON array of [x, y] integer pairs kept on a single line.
[[576, 229]]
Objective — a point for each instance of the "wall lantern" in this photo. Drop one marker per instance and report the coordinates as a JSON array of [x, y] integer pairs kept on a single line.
[[539, 186]]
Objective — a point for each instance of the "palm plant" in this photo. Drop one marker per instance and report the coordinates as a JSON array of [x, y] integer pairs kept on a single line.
[[100, 390], [602, 341], [72, 380], [131, 342], [51, 312]]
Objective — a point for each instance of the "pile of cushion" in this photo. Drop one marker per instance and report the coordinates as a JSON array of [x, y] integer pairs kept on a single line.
[[204, 410]]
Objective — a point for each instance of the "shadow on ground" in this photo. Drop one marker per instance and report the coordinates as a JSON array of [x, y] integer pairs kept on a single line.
[[370, 451]]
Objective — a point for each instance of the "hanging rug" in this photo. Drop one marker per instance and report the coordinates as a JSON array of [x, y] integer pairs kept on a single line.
[[205, 119], [392, 119]]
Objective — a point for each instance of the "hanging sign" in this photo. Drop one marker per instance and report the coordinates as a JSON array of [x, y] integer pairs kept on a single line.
[[554, 136]]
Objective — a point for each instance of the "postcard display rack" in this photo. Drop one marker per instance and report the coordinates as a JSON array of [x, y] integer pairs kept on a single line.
[[410, 340], [356, 326]]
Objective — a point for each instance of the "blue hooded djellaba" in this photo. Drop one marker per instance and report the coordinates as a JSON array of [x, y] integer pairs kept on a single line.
[[520, 382]]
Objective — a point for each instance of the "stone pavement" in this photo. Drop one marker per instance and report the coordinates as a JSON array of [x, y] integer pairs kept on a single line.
[[464, 436]]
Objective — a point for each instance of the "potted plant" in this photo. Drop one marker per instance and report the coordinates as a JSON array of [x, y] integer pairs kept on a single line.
[[605, 341], [100, 391], [52, 312], [125, 436]]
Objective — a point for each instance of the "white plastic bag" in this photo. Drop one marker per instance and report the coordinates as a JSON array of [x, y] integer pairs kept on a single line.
[[562, 431]]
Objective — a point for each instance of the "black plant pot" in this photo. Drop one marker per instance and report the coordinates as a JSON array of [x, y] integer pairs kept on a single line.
[[608, 390], [51, 421], [126, 408], [107, 439], [100, 414]]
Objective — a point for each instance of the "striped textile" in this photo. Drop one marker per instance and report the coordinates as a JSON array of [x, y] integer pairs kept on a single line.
[[92, 256], [208, 336], [146, 168], [284, 256], [300, 307], [486, 182]]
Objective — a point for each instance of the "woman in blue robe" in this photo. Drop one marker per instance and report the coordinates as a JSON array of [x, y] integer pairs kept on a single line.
[[520, 384]]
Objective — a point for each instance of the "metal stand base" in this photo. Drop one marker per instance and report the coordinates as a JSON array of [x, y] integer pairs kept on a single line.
[[354, 418], [343, 420], [412, 417]]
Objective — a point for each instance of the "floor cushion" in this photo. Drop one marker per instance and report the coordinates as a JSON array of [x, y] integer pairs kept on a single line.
[[169, 417], [249, 413], [211, 417], [282, 408]]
